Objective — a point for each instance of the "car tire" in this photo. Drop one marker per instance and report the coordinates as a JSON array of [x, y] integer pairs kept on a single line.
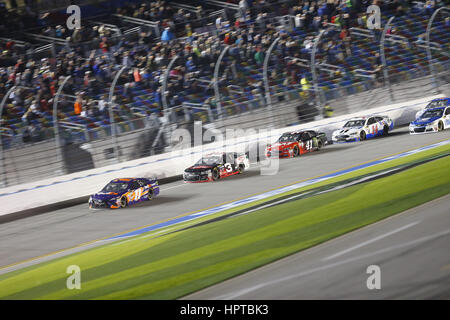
[[362, 135], [440, 126], [385, 130], [319, 145], [123, 202], [296, 151], [241, 168], [150, 194], [215, 174]]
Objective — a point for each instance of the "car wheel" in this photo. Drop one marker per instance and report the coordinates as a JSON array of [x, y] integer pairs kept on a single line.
[[385, 130], [440, 126], [150, 194], [123, 202], [215, 174], [241, 168], [362, 135], [295, 151], [319, 145]]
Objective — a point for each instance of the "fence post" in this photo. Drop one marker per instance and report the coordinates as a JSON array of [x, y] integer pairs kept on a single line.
[[383, 58], [111, 113], [429, 57], [216, 82], [265, 76], [59, 152]]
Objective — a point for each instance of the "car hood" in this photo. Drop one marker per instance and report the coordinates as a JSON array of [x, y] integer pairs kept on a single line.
[[106, 195], [280, 145], [347, 130], [198, 168], [423, 121]]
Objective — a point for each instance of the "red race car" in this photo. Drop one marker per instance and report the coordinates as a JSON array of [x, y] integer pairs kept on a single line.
[[293, 144]]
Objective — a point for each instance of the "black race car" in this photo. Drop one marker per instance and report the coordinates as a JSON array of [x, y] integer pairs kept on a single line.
[[214, 166]]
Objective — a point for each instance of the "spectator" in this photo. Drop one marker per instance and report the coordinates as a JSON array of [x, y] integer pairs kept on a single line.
[[167, 35], [78, 106], [259, 56]]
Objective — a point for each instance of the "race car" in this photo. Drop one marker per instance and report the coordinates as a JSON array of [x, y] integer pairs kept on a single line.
[[296, 143], [432, 120], [120, 193], [359, 129], [435, 103], [214, 166]]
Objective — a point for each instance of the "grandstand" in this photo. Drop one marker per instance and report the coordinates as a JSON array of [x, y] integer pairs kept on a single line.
[[142, 41]]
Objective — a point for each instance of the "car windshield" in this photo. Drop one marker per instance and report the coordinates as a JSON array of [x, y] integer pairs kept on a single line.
[[287, 137], [354, 123], [210, 160], [437, 103], [432, 113], [115, 187]]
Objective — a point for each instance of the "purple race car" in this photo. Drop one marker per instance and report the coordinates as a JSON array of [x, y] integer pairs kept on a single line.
[[120, 193]]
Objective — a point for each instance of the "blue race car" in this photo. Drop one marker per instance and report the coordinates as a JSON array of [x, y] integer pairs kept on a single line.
[[120, 193], [435, 103], [432, 120]]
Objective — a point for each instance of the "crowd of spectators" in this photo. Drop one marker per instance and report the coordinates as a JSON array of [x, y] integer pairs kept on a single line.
[[248, 34]]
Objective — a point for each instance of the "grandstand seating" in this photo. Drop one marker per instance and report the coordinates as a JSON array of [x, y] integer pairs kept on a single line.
[[404, 61]]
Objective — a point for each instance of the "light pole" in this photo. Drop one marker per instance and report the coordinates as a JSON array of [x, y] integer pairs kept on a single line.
[[2, 160], [216, 82], [111, 113], [314, 71], [383, 58], [164, 84], [430, 59], [56, 127], [265, 76]]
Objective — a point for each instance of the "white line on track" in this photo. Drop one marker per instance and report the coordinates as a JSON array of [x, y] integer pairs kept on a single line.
[[362, 244], [172, 187], [330, 266]]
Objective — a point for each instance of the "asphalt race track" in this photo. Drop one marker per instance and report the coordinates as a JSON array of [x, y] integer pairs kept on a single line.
[[47, 233], [411, 249]]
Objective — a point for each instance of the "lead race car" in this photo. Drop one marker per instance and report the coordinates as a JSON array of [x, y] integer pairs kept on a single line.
[[359, 129], [296, 143], [432, 120], [215, 166], [120, 193], [435, 103]]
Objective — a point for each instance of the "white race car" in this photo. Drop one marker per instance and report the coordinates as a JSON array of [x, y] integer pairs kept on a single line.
[[363, 128]]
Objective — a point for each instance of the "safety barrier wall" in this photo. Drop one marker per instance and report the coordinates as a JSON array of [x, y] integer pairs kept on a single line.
[[45, 192]]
